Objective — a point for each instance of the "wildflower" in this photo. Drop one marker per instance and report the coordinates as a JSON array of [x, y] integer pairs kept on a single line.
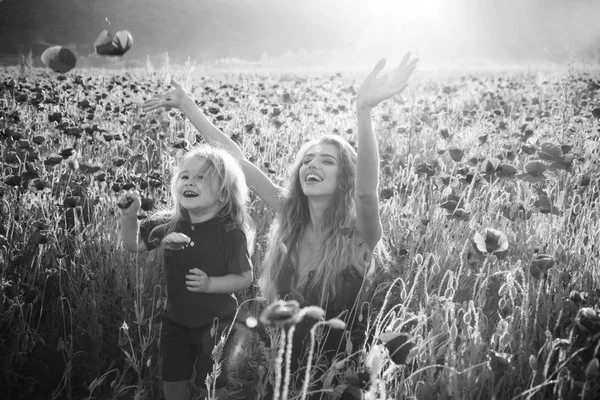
[[534, 172], [281, 313], [540, 264], [398, 344], [587, 321], [456, 153], [499, 362], [491, 242]]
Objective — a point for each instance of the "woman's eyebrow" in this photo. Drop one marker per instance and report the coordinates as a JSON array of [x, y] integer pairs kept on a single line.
[[321, 155]]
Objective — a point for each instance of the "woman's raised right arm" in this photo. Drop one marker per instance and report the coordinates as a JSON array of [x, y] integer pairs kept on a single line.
[[256, 179]]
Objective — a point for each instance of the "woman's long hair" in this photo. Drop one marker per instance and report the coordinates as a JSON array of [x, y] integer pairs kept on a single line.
[[221, 167], [336, 252]]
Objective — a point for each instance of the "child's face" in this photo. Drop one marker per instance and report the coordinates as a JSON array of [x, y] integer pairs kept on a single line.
[[197, 192], [319, 170]]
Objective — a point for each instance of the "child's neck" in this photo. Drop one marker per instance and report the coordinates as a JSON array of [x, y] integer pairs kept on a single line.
[[197, 217]]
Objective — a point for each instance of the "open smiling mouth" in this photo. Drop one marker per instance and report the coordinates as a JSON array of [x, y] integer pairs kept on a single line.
[[189, 194], [313, 178]]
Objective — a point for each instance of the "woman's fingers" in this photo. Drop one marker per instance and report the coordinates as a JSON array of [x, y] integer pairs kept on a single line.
[[378, 68], [175, 84]]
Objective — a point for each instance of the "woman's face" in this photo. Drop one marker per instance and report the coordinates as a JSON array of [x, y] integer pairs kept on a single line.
[[319, 170]]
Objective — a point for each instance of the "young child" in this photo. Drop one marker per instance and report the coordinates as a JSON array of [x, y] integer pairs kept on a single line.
[[206, 259]]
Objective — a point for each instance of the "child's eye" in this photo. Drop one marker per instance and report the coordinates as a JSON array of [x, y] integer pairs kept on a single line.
[[183, 177], [305, 161], [328, 162], [200, 177]]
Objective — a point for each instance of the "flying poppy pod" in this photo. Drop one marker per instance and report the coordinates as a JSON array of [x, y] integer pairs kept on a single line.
[[59, 59], [107, 45]]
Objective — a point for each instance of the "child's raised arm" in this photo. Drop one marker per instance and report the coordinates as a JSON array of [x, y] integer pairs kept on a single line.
[[373, 91], [256, 179]]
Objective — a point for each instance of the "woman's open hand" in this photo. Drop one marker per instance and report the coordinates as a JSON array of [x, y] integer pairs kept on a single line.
[[376, 89], [172, 99]]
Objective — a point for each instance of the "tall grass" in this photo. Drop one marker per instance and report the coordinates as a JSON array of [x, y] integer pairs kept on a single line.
[[80, 317]]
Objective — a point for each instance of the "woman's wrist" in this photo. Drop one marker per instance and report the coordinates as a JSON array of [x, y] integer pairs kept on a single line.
[[363, 108], [187, 104]]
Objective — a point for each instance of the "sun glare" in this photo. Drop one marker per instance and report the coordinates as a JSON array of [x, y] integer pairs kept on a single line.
[[428, 28]]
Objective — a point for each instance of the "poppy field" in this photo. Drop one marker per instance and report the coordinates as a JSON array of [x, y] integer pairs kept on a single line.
[[489, 199]]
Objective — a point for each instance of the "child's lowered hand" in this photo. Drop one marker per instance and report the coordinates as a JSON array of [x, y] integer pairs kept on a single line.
[[175, 241], [129, 203], [197, 281]]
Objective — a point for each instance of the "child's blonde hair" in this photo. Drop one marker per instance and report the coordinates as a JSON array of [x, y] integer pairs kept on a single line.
[[221, 167]]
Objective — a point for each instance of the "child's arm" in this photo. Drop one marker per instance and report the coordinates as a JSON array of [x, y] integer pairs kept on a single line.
[[198, 281], [129, 205], [257, 180], [373, 91]]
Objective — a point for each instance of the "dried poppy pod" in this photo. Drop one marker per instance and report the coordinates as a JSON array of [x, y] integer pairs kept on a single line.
[[59, 59]]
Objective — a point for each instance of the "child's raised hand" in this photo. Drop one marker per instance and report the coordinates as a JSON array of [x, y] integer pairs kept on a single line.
[[197, 281], [375, 89], [129, 203], [175, 241], [168, 100]]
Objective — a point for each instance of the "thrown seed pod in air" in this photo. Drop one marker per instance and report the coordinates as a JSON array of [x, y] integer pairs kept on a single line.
[[59, 59], [118, 45]]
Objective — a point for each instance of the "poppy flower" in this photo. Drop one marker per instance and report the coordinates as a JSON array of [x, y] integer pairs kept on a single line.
[[460, 214], [456, 153], [534, 172], [423, 168], [506, 171], [565, 162], [491, 242], [540, 264], [514, 212], [587, 321], [147, 204], [88, 168], [352, 392], [490, 165], [59, 59], [52, 160], [499, 362], [544, 205], [176, 241], [550, 152], [281, 313], [399, 345]]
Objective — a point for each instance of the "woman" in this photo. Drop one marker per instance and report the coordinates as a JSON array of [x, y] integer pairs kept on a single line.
[[327, 225]]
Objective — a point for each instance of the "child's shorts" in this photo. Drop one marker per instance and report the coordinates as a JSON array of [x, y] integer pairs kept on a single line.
[[184, 348]]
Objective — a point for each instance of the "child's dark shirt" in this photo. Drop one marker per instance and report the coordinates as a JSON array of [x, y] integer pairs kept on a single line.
[[218, 248]]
